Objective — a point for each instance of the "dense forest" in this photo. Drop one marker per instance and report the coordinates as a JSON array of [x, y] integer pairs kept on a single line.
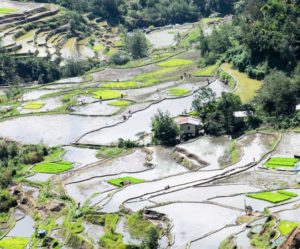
[[142, 13]]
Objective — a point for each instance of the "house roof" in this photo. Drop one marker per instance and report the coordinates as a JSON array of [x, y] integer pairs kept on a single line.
[[298, 107], [188, 120], [241, 114]]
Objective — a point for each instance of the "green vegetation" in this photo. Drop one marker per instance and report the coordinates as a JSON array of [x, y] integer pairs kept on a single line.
[[206, 71], [165, 130], [13, 243], [34, 105], [280, 162], [227, 79], [120, 103], [175, 63], [217, 115], [138, 226], [119, 182], [285, 227], [247, 87], [273, 197], [111, 239], [136, 44], [152, 78], [120, 85], [178, 91], [228, 243], [110, 152], [262, 238], [288, 193], [8, 10], [234, 152], [98, 47], [106, 94], [210, 19], [52, 168]]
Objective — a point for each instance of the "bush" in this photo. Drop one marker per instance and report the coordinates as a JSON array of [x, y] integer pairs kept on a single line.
[[165, 130], [119, 58]]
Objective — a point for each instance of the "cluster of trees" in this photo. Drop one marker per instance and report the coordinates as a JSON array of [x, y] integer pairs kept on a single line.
[[14, 70], [217, 115], [12, 159], [165, 130], [264, 36], [142, 13]]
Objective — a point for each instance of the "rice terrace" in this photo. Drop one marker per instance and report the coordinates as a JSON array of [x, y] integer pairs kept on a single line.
[[167, 124]]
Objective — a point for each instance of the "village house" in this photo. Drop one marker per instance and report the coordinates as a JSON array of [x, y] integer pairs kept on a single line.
[[189, 127]]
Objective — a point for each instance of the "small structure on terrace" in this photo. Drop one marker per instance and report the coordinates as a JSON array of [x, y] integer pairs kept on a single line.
[[189, 127]]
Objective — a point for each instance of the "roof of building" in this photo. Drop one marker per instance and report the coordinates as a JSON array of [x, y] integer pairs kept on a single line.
[[241, 114], [188, 120], [298, 107]]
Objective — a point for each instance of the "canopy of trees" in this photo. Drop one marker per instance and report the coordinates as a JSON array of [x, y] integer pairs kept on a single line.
[[264, 36], [165, 130], [142, 13]]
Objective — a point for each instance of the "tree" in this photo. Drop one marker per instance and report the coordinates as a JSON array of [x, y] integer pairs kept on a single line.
[[278, 95], [137, 45], [165, 130]]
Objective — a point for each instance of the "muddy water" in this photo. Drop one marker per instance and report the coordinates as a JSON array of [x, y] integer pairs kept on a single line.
[[191, 220], [253, 147], [127, 238], [219, 87], [93, 231], [291, 215], [289, 145], [213, 150], [80, 156], [243, 241], [51, 129], [36, 94], [50, 105], [139, 123], [23, 228], [71, 80], [110, 74], [213, 241], [97, 109], [166, 37], [203, 193], [239, 202], [39, 177], [83, 191]]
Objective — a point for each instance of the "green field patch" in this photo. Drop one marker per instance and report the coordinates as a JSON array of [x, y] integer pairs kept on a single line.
[[33, 105], [110, 152], [121, 85], [120, 103], [178, 91], [247, 87], [206, 71], [120, 182], [155, 77], [273, 197], [286, 227], [13, 243], [281, 162], [210, 19], [106, 94], [288, 193], [8, 10], [138, 226], [175, 63], [52, 167], [98, 47]]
